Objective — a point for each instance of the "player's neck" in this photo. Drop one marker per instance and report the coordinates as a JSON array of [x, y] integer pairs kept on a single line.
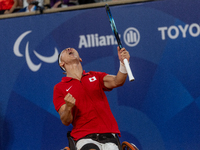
[[75, 71]]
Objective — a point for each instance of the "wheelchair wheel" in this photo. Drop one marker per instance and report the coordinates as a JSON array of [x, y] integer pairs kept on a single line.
[[128, 146]]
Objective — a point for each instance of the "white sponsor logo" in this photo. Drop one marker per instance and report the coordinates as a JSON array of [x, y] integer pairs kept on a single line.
[[131, 38], [173, 32], [92, 79], [94, 40], [68, 88], [33, 67]]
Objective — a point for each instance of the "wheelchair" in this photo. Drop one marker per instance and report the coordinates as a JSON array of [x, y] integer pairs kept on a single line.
[[124, 146]]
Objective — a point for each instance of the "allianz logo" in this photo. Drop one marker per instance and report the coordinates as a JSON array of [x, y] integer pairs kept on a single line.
[[131, 37], [33, 67]]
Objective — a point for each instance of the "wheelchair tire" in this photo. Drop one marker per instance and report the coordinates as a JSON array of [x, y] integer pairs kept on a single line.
[[128, 146]]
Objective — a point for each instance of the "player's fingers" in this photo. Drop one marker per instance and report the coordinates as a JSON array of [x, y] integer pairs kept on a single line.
[[126, 55], [118, 49], [122, 50], [72, 99], [69, 98]]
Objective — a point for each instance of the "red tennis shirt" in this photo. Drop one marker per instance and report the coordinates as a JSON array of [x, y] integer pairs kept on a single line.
[[91, 113]]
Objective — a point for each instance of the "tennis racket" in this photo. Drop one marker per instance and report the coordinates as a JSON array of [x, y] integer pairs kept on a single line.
[[114, 29]]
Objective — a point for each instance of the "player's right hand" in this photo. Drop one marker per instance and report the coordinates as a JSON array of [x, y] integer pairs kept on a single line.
[[70, 101], [122, 54]]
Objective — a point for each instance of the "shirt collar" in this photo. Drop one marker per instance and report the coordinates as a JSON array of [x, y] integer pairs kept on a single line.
[[68, 79]]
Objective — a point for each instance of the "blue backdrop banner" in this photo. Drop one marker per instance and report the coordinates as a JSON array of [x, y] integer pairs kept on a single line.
[[160, 110]]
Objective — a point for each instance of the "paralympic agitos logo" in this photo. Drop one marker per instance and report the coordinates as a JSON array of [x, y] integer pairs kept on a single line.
[[33, 67]]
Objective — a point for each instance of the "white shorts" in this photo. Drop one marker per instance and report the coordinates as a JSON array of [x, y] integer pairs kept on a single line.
[[106, 146]]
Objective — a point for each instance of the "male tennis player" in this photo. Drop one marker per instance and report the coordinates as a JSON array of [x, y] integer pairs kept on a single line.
[[80, 99]]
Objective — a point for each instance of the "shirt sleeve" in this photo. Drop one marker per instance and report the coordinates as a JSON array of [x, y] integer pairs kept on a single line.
[[101, 76], [58, 98]]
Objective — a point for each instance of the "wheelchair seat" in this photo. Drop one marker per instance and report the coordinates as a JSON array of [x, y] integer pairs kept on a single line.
[[124, 146]]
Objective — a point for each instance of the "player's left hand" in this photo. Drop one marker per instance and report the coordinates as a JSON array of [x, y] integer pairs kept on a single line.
[[122, 54]]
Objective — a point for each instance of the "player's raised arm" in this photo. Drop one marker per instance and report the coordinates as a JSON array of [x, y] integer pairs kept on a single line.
[[113, 81], [115, 32]]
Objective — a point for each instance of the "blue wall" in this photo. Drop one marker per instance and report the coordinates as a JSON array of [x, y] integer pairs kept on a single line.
[[160, 110]]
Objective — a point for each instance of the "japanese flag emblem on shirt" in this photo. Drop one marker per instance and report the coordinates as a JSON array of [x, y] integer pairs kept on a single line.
[[92, 79]]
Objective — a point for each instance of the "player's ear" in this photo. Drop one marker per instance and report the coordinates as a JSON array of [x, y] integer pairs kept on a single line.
[[61, 64]]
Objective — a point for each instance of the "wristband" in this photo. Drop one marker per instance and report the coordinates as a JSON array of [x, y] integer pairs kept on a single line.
[[122, 68]]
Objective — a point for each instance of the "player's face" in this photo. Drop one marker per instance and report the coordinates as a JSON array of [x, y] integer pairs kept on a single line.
[[69, 55]]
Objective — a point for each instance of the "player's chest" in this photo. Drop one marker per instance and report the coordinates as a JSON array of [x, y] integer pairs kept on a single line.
[[88, 86]]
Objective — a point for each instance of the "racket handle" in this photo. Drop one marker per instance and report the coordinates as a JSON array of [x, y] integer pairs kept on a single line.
[[128, 69]]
